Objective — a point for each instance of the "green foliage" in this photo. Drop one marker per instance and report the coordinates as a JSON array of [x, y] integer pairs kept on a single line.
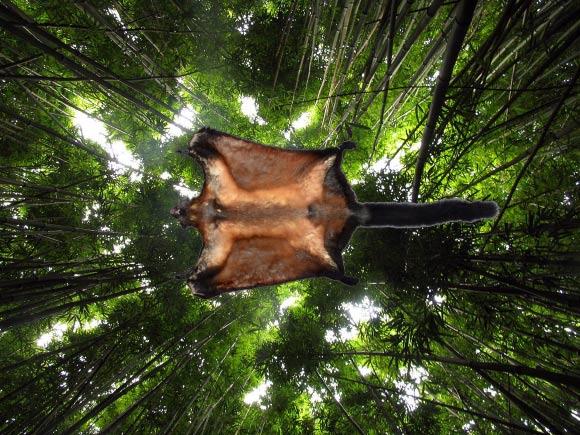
[[298, 348], [458, 328]]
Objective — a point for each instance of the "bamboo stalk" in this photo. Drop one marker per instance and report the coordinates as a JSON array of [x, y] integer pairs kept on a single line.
[[464, 16]]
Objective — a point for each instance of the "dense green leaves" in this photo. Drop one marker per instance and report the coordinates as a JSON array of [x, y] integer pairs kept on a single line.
[[458, 328]]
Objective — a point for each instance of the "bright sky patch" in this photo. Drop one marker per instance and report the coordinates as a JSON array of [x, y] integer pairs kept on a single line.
[[244, 23], [257, 394], [364, 370], [314, 395], [185, 191], [299, 123], [182, 122], [357, 313], [411, 389], [387, 163], [123, 159], [287, 303], [55, 333], [361, 312], [249, 108], [302, 121]]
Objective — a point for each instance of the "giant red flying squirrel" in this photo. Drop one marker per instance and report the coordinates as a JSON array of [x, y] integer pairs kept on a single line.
[[269, 215]]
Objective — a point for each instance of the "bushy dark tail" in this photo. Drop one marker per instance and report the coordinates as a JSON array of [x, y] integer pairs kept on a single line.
[[411, 215]]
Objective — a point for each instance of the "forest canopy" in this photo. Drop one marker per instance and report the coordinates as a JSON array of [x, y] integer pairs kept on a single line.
[[451, 329]]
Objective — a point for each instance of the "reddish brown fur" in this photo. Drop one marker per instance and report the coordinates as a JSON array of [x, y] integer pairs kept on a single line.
[[268, 215], [265, 214]]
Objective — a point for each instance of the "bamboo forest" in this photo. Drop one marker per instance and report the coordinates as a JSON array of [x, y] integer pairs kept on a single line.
[[456, 328]]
